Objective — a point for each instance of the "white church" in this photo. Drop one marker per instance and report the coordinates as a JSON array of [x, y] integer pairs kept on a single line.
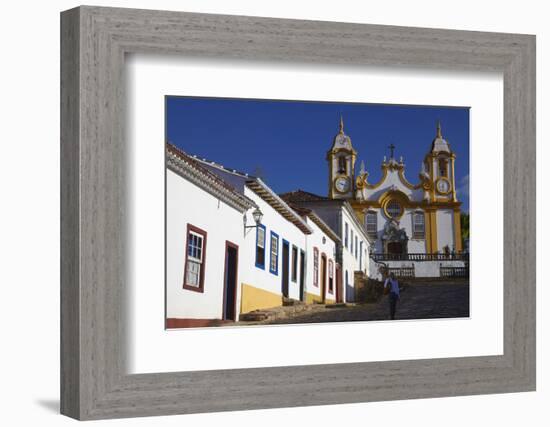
[[410, 222]]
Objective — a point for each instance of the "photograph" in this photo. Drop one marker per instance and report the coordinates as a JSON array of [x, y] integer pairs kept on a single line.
[[299, 212]]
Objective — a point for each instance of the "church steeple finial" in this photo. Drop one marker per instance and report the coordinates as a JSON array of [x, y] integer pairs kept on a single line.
[[438, 134], [392, 148], [341, 123]]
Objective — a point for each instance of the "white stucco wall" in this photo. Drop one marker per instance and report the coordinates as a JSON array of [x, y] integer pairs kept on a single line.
[[263, 278], [315, 240], [445, 229], [431, 268], [392, 180], [336, 217], [188, 204], [421, 268], [350, 263], [414, 245]]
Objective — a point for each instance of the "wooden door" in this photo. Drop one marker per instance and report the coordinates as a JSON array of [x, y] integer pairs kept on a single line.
[[323, 277], [339, 290], [284, 275], [230, 281]]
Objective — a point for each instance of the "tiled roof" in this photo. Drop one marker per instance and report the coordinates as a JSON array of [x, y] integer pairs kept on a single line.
[[302, 196], [267, 194], [185, 165], [300, 210], [261, 189], [212, 165]]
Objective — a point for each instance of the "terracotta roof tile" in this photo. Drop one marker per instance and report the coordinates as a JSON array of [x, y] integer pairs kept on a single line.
[[297, 196], [208, 178]]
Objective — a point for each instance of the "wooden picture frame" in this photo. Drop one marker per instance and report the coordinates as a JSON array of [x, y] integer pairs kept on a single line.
[[94, 41]]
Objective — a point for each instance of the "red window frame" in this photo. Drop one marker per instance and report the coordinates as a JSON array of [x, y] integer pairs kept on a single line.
[[204, 234]]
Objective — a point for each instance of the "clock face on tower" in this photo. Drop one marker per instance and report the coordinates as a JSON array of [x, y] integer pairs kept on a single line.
[[342, 184], [443, 186]]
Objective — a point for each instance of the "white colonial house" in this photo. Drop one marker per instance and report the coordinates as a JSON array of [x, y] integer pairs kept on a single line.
[[234, 246], [410, 223], [201, 250], [291, 238], [353, 246], [324, 284]]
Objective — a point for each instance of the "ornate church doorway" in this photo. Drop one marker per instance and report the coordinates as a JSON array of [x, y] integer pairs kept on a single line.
[[394, 239]]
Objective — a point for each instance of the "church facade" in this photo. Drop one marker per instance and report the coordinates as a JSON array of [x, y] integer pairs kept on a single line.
[[404, 219]]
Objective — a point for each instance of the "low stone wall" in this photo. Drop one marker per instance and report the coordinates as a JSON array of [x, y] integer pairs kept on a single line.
[[369, 290], [421, 268]]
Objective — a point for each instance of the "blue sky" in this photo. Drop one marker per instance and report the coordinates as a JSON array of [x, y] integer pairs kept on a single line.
[[287, 140]]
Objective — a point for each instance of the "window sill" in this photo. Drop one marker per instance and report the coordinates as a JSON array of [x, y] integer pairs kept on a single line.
[[194, 288]]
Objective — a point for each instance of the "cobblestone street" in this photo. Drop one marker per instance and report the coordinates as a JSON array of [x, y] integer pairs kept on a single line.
[[418, 301]]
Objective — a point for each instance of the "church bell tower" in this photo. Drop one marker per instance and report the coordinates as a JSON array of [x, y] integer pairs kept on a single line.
[[341, 166], [439, 164]]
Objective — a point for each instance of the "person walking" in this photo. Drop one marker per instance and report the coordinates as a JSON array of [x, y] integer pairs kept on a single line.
[[392, 285]]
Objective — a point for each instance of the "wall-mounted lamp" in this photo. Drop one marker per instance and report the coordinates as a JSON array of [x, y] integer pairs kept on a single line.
[[257, 215]]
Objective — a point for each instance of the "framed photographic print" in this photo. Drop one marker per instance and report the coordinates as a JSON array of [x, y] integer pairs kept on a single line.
[[261, 213], [295, 256]]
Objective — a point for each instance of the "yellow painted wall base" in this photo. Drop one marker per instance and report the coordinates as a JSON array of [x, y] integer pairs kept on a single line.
[[312, 298], [253, 298]]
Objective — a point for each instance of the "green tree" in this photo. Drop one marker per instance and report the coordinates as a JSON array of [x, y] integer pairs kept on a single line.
[[465, 226]]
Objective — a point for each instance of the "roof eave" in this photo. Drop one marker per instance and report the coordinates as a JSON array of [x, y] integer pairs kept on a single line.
[[271, 198], [184, 169]]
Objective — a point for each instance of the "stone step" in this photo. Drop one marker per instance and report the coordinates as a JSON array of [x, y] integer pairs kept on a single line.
[[255, 316], [282, 312], [337, 305], [291, 302]]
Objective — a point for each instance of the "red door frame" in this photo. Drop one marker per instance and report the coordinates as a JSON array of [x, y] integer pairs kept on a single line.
[[323, 269], [228, 245], [338, 274]]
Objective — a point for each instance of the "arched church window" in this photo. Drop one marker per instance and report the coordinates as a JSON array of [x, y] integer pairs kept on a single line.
[[442, 167], [393, 209], [418, 225], [342, 165]]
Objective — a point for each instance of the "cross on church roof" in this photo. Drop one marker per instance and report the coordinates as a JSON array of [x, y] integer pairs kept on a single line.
[[391, 147]]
